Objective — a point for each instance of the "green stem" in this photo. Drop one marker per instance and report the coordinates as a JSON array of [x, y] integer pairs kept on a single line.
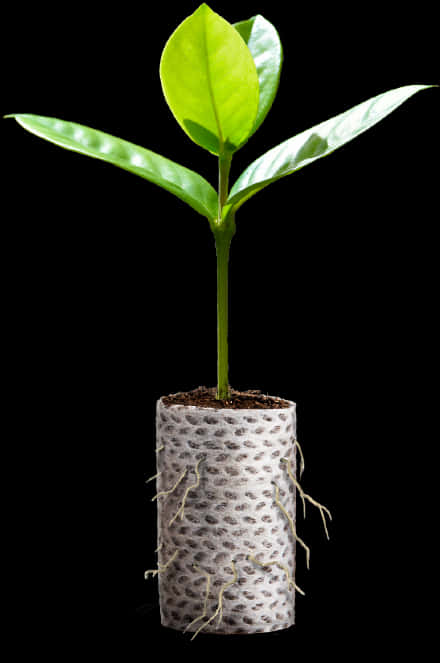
[[224, 166], [223, 236], [222, 245]]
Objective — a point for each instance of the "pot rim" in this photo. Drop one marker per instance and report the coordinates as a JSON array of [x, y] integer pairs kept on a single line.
[[229, 411]]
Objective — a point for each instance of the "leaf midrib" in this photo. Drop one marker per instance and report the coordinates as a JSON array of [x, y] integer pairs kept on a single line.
[[210, 88]]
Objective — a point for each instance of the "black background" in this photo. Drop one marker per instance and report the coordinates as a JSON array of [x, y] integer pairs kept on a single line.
[[109, 303]]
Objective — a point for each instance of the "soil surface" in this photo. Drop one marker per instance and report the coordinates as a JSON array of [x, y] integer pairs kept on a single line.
[[240, 400]]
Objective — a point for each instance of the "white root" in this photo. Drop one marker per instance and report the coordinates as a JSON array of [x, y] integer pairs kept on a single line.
[[219, 610], [302, 462], [305, 497], [153, 477], [171, 490], [290, 581], [161, 568], [205, 605], [181, 509], [292, 526], [289, 578]]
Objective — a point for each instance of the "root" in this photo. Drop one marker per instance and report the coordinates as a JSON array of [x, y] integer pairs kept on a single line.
[[171, 490], [291, 582], [153, 477], [181, 509], [304, 496], [161, 568], [292, 526], [302, 463], [219, 610], [205, 605]]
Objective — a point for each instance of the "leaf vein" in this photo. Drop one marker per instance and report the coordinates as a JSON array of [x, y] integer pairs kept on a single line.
[[210, 88]]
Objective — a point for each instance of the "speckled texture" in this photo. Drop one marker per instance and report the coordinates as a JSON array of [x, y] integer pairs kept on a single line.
[[231, 513]]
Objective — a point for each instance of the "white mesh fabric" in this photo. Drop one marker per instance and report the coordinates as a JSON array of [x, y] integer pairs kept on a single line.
[[231, 514]]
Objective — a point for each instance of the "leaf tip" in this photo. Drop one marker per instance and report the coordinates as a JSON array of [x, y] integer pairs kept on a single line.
[[203, 8], [260, 18]]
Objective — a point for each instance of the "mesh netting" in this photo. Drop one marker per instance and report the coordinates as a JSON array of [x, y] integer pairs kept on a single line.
[[219, 475]]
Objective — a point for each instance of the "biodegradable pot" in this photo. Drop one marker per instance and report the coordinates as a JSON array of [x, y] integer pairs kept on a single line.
[[220, 470]]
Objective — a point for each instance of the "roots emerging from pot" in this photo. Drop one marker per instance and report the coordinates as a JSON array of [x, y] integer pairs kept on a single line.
[[219, 610], [296, 446], [291, 523], [165, 493], [305, 497], [161, 569], [181, 509], [291, 583], [205, 605], [257, 558]]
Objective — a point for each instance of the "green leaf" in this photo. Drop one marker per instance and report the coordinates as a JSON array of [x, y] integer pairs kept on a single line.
[[210, 81], [184, 183], [315, 143], [264, 44]]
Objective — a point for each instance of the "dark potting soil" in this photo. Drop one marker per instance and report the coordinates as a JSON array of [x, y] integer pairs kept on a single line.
[[252, 399]]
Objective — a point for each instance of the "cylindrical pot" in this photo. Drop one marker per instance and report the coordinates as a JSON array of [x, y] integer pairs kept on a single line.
[[226, 512]]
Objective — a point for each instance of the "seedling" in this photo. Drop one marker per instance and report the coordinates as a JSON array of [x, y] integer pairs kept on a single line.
[[220, 81]]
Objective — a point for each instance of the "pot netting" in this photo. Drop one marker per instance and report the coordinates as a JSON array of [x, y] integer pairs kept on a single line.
[[226, 507]]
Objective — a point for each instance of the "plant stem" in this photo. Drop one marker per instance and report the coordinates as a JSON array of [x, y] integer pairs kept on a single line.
[[223, 235], [222, 245], [224, 166]]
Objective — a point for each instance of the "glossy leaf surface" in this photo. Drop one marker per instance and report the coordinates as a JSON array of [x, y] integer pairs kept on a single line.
[[182, 182], [210, 81], [315, 143], [264, 44]]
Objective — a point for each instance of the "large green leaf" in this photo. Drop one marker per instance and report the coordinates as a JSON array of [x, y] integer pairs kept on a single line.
[[264, 44], [184, 183], [315, 143], [210, 81]]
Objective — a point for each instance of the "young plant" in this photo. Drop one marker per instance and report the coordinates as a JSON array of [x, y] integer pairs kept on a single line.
[[220, 81]]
